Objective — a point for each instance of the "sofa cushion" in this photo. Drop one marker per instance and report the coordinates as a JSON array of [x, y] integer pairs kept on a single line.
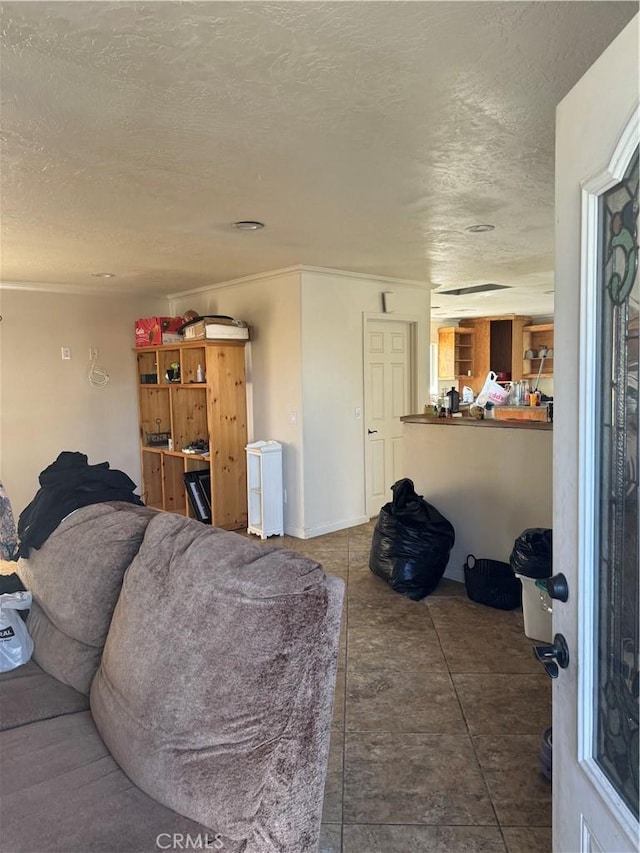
[[28, 694], [214, 690], [75, 580], [61, 791]]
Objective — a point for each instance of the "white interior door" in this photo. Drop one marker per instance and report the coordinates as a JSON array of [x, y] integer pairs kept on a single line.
[[595, 696], [387, 398]]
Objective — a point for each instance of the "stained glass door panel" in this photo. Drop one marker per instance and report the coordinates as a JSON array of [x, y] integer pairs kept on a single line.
[[615, 745]]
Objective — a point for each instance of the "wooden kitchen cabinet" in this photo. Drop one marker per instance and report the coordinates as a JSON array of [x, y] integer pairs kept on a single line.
[[175, 414], [534, 338], [497, 346], [455, 352]]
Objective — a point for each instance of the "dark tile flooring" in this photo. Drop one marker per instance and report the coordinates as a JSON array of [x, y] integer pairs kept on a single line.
[[439, 711]]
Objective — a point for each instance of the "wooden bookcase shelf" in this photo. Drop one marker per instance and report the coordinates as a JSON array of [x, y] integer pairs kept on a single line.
[[455, 352], [213, 411]]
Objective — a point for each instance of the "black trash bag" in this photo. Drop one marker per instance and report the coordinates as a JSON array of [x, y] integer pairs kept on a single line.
[[411, 543], [532, 554]]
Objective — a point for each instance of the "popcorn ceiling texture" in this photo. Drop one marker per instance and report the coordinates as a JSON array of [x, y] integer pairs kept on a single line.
[[366, 135]]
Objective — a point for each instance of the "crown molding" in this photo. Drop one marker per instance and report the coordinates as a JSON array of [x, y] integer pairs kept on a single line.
[[381, 279], [74, 289], [302, 268], [235, 282], [299, 269]]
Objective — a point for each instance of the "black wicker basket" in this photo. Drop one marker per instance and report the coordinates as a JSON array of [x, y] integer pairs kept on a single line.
[[492, 583]]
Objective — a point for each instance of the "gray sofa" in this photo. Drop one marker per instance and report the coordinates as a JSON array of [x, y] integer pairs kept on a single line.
[[179, 695]]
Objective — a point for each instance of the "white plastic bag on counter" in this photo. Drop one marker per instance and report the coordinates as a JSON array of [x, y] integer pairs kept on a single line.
[[16, 645], [492, 392]]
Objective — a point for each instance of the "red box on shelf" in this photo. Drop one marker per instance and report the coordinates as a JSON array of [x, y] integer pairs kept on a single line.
[[154, 331]]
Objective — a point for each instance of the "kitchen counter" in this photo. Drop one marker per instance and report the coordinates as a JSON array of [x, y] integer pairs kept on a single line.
[[491, 423], [492, 480]]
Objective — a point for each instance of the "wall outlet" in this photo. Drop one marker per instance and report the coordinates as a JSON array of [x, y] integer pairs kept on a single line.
[[358, 413], [93, 353], [293, 416], [65, 353]]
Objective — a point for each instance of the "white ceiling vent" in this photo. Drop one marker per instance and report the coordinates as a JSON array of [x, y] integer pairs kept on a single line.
[[476, 288]]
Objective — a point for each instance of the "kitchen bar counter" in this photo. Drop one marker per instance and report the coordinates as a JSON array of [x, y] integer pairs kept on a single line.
[[474, 422], [492, 480]]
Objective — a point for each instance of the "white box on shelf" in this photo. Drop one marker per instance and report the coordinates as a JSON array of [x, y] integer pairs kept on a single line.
[[215, 331]]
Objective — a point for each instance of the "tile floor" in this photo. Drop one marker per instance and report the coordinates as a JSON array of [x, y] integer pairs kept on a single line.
[[440, 707]]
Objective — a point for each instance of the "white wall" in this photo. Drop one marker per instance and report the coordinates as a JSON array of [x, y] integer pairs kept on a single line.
[[270, 304], [334, 305], [307, 364], [490, 482], [46, 404]]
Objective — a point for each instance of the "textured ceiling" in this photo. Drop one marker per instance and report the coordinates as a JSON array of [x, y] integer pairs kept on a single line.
[[366, 135]]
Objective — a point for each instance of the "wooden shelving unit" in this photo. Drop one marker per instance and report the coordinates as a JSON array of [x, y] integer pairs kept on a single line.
[[455, 352], [264, 482], [498, 347], [534, 337], [213, 411]]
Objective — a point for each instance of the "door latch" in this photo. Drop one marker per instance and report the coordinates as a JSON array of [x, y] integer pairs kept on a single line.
[[371, 431], [552, 657]]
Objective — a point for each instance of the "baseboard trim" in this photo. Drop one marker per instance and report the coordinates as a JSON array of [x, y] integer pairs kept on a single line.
[[312, 532], [455, 573]]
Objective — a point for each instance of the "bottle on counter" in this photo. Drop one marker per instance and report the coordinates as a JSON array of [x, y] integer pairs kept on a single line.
[[454, 400], [526, 394]]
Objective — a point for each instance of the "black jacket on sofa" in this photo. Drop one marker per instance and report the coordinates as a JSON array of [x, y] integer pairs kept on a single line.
[[68, 484]]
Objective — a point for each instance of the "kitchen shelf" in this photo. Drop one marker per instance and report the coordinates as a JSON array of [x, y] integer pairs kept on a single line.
[[539, 327], [456, 349], [497, 347], [535, 337]]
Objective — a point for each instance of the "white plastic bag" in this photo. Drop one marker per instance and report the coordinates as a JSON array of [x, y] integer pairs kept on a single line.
[[492, 392], [16, 645]]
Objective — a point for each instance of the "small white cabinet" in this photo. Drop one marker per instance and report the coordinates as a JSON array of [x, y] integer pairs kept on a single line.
[[264, 488]]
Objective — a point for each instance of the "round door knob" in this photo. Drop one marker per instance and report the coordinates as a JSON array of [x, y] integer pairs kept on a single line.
[[557, 587]]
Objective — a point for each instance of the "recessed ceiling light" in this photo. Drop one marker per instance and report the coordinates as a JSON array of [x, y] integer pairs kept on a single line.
[[479, 229], [248, 225], [103, 274]]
